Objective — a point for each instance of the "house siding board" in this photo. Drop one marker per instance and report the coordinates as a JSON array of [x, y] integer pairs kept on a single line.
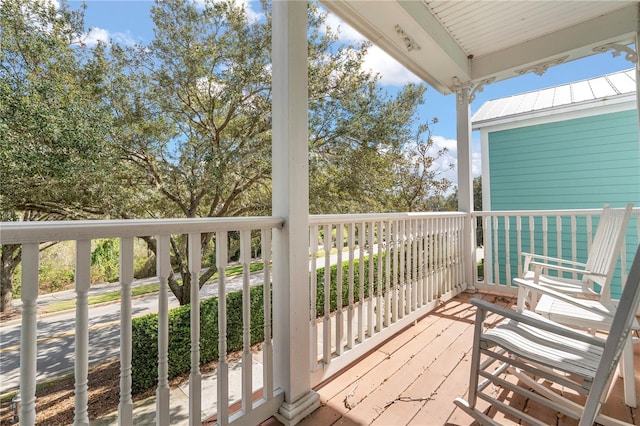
[[573, 164]]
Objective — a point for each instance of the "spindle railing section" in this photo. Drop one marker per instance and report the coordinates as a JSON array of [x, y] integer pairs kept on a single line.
[[369, 276], [256, 230], [560, 233], [394, 269]]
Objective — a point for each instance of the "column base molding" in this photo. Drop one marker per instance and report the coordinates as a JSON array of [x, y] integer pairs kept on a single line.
[[292, 413], [470, 288]]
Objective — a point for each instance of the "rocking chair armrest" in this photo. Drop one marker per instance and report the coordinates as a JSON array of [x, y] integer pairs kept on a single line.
[[557, 260], [558, 295], [534, 321], [540, 265]]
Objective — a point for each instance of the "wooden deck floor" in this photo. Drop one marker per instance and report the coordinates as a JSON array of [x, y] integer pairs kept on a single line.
[[414, 377]]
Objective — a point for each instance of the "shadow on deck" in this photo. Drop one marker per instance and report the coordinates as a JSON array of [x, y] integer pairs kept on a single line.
[[413, 378]]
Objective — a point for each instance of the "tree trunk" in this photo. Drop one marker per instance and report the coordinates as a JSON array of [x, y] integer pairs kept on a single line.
[[10, 257], [181, 291]]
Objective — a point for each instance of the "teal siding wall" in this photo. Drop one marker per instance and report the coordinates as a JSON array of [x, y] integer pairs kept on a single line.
[[573, 164]]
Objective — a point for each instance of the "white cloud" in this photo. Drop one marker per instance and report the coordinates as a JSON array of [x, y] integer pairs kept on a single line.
[[337, 25], [99, 34], [391, 72], [376, 60], [252, 15], [451, 157]]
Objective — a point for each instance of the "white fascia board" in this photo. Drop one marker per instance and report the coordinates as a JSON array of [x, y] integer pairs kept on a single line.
[[560, 113], [575, 42], [439, 58]]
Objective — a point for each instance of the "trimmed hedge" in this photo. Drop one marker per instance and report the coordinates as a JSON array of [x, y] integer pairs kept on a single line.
[[144, 368], [356, 281]]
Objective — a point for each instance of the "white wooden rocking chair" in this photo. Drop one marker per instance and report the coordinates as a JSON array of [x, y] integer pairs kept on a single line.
[[598, 269], [533, 348]]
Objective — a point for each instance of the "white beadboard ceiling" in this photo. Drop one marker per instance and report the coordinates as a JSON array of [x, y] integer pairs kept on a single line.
[[445, 42]]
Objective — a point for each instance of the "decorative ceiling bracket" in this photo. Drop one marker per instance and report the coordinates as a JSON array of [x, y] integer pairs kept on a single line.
[[462, 89], [479, 87], [630, 54], [542, 67], [409, 42]]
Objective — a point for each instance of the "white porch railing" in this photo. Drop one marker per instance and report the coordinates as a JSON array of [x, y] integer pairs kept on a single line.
[[31, 234], [560, 233], [397, 267]]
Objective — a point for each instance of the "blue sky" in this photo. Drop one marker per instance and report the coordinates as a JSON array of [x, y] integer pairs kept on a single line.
[[129, 22]]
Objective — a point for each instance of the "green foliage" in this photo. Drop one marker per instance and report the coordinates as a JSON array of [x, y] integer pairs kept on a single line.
[[54, 155], [320, 274], [181, 126], [53, 120], [105, 261], [145, 336], [55, 278], [145, 328]]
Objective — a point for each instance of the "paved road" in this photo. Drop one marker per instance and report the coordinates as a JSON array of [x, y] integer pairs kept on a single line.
[[56, 331]]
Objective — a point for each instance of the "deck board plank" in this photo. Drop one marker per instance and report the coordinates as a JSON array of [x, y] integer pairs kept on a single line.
[[429, 359]]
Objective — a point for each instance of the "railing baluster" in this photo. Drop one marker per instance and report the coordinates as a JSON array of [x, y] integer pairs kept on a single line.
[[405, 266], [452, 253], [496, 258], [339, 316], [589, 232], [402, 290], [351, 312], [267, 352], [559, 254], [519, 246], [163, 267], [195, 378], [418, 260], [361, 247], [29, 333], [313, 272], [545, 237], [379, 303], [326, 325], [439, 260], [411, 267], [370, 305], [532, 239], [125, 407], [223, 365], [429, 259], [451, 257], [574, 243], [461, 229], [507, 249], [487, 241], [394, 272], [449, 241], [387, 273], [475, 244], [247, 358], [81, 367]]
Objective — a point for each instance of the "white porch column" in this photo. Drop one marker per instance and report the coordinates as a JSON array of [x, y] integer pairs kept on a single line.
[[465, 179], [292, 371]]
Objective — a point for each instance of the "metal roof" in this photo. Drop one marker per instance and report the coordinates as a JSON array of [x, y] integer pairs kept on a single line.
[[450, 42], [607, 87]]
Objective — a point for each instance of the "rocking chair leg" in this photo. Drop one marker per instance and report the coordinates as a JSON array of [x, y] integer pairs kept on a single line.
[[482, 418], [628, 374]]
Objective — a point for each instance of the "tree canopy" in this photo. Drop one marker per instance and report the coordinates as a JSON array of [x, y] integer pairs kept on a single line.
[[181, 126]]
